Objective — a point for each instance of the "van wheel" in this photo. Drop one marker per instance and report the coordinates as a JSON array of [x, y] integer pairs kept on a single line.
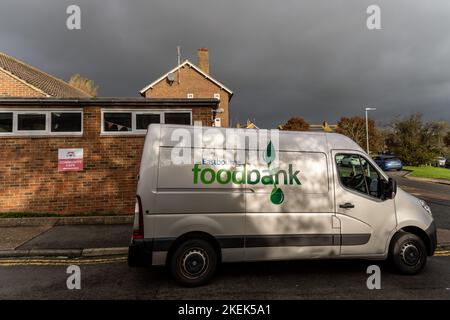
[[194, 263], [408, 253]]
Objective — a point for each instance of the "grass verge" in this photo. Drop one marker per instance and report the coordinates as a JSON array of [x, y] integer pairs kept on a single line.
[[429, 172]]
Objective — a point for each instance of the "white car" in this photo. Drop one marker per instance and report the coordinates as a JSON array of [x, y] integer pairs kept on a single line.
[[440, 162]]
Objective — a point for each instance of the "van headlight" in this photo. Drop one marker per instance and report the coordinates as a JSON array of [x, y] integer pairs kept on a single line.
[[425, 206]]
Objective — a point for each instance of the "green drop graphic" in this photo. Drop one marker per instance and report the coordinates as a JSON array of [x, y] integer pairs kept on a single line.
[[269, 154], [277, 196]]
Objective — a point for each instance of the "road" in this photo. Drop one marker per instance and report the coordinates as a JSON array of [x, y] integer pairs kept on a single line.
[[274, 280], [435, 194]]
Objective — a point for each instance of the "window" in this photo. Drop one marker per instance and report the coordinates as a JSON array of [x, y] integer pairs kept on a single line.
[[137, 121], [177, 118], [117, 121], [190, 96], [6, 122], [217, 96], [66, 122], [143, 120], [356, 173], [31, 121], [49, 122]]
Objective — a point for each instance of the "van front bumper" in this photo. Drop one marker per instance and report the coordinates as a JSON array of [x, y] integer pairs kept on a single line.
[[140, 253], [431, 232]]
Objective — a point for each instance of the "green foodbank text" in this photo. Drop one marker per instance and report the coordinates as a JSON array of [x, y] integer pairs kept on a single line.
[[244, 176]]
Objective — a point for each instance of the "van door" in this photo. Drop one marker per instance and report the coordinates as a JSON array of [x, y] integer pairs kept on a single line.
[[366, 219], [290, 217]]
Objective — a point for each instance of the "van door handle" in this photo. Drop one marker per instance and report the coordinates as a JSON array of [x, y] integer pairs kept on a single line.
[[347, 205]]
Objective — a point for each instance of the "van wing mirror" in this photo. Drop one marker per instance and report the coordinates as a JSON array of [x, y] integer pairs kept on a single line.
[[390, 189]]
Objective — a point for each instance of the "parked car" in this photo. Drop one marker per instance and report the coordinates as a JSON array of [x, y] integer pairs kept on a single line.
[[388, 162], [349, 161], [440, 162], [192, 215]]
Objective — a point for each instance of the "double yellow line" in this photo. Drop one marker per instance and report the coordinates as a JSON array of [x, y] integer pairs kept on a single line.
[[67, 262], [442, 253], [58, 262]]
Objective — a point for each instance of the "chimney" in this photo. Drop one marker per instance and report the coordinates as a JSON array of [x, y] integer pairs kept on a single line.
[[203, 60]]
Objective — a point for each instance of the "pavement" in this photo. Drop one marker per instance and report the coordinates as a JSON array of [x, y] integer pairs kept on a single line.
[[65, 240]]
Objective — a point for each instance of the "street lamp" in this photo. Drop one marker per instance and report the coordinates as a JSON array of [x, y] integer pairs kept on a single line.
[[367, 127]]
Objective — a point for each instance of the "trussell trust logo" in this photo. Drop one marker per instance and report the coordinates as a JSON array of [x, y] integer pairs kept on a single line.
[[240, 174]]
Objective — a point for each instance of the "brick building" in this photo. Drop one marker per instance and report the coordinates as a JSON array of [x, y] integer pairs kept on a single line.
[[18, 79], [41, 115], [190, 81]]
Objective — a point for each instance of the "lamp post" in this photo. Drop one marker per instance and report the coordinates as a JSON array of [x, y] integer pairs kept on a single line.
[[367, 127]]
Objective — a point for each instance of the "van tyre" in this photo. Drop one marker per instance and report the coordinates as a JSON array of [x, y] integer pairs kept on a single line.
[[408, 253], [193, 263]]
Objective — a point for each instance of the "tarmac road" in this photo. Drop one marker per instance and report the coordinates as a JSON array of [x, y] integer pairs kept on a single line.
[[435, 194], [113, 279]]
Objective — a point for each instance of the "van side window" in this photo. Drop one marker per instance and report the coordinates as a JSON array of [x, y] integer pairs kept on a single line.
[[358, 174]]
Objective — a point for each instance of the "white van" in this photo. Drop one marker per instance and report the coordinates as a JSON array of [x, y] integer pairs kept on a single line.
[[325, 198]]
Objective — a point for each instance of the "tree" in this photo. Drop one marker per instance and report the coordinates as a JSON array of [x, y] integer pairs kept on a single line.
[[355, 129], [84, 84], [295, 124], [447, 139], [416, 142]]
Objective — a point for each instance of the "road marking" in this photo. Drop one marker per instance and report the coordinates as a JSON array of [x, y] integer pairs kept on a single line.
[[442, 253], [56, 262], [65, 262]]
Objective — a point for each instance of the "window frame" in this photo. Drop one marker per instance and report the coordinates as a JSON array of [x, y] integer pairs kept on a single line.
[[48, 125], [135, 112], [367, 194]]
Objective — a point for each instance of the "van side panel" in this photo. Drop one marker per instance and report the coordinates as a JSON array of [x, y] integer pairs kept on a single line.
[[301, 226], [187, 200]]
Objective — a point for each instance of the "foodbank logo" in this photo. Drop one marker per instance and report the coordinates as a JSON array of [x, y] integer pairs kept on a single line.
[[241, 175]]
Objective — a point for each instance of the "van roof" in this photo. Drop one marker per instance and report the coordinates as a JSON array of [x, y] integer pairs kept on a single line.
[[288, 140]]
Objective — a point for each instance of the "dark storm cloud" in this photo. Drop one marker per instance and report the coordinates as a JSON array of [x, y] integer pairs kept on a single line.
[[314, 59]]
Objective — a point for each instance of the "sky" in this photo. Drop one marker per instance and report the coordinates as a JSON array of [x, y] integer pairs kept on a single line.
[[314, 59]]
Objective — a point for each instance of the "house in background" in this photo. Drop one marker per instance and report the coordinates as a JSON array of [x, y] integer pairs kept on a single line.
[[193, 82], [18, 79]]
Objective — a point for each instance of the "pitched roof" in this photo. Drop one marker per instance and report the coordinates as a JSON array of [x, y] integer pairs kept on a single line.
[[193, 66], [39, 80]]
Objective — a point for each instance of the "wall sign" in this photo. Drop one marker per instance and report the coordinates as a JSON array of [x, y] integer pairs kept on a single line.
[[70, 160]]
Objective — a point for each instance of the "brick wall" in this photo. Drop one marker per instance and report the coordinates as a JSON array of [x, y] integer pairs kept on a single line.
[[191, 82], [30, 182], [12, 87]]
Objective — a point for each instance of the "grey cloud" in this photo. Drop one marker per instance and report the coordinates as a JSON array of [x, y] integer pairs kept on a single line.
[[314, 59]]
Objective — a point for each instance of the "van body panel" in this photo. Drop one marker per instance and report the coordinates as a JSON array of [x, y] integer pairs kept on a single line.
[[409, 211], [147, 182], [369, 215], [227, 228], [176, 187]]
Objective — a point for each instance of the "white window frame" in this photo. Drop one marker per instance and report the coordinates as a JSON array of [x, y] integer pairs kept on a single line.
[[217, 96], [190, 96], [48, 118], [135, 112]]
